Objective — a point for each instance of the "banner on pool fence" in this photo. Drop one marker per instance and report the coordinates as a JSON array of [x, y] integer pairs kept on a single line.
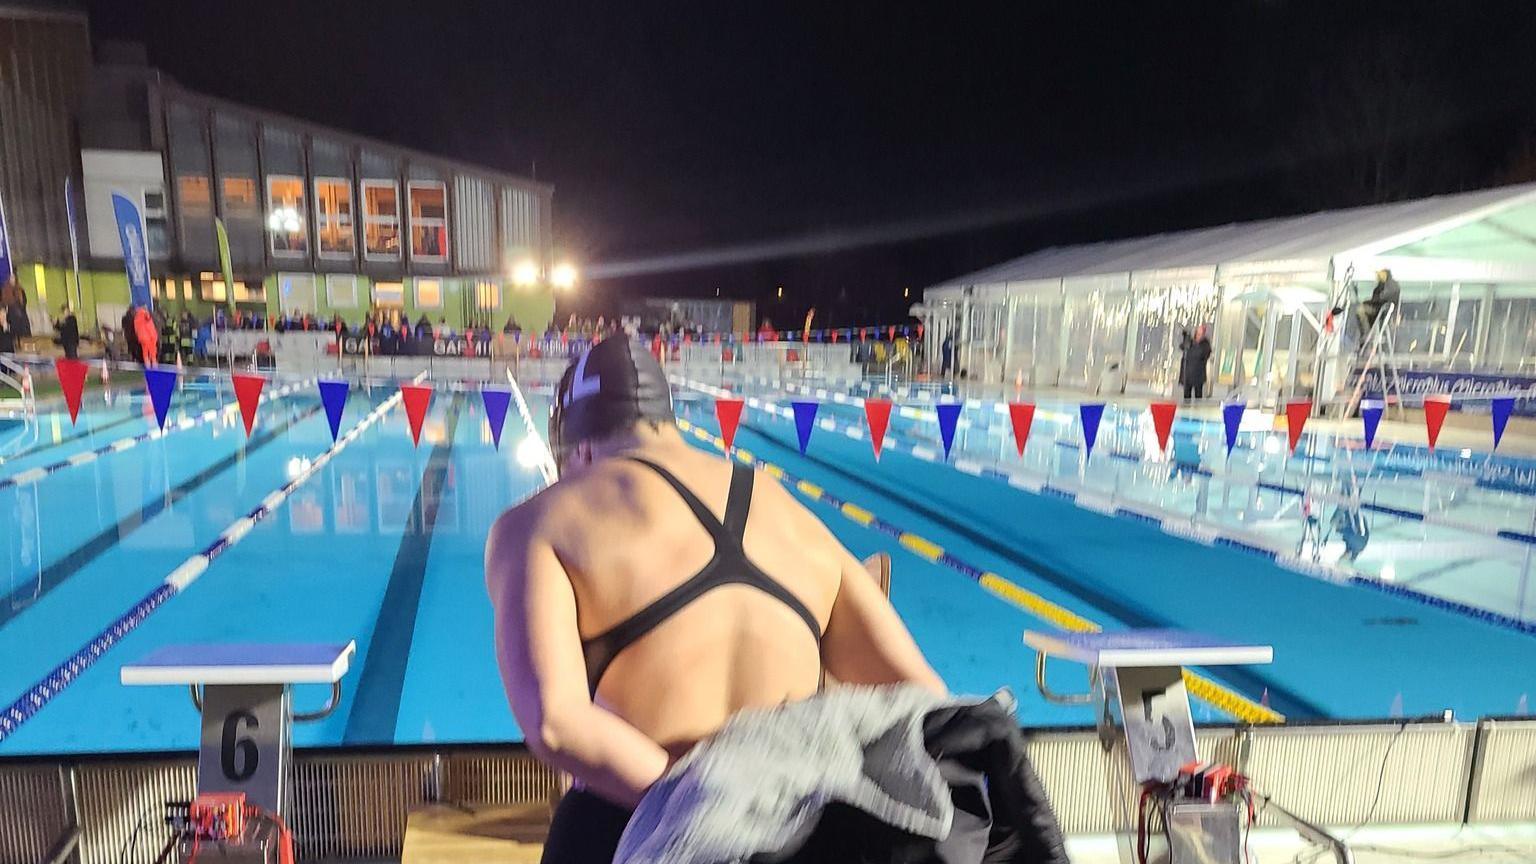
[[457, 346], [1470, 391]]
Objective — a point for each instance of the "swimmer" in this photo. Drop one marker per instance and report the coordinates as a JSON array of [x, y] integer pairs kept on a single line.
[[655, 591]]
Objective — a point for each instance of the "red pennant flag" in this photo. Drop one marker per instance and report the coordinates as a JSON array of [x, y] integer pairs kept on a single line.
[[1435, 408], [728, 412], [417, 397], [892, 334], [1023, 416], [863, 335], [1162, 421], [248, 394], [877, 413], [72, 381], [1296, 414]]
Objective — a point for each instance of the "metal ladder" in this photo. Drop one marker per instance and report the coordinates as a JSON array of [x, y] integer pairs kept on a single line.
[[1379, 351], [16, 377]]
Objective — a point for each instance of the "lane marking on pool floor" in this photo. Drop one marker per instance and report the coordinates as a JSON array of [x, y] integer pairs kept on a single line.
[[40, 694], [190, 421], [31, 590], [1203, 688], [1183, 527]]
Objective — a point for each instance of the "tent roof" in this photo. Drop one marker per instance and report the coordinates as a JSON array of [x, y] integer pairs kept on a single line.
[[1315, 237]]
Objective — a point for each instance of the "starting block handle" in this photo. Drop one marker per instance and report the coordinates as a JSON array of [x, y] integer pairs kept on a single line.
[[325, 710], [1062, 698]]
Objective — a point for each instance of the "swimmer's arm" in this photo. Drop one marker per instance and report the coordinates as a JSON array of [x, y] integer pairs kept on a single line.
[[865, 641], [539, 650]]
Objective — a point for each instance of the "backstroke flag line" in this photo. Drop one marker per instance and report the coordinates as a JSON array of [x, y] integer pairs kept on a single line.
[[1022, 415], [1162, 421], [1232, 420], [877, 413], [248, 394], [496, 402], [130, 230], [949, 418], [728, 412], [159, 383], [1502, 407], [416, 398], [1370, 415], [1092, 413], [72, 381], [1296, 414], [333, 395], [1435, 408], [805, 421]]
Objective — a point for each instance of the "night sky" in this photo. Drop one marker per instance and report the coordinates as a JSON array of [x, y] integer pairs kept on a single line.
[[958, 134]]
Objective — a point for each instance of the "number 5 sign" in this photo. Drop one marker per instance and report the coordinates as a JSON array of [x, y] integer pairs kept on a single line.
[[243, 747]]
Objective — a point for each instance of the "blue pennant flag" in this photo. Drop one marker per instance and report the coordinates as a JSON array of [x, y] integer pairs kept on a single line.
[[949, 418], [333, 395], [805, 421], [496, 411], [1502, 406], [130, 230], [1370, 415], [159, 383], [1092, 413], [1232, 420]]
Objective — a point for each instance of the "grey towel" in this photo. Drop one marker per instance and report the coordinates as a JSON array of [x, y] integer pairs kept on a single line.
[[764, 778]]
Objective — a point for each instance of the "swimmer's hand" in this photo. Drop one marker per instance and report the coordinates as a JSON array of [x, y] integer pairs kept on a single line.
[[539, 650]]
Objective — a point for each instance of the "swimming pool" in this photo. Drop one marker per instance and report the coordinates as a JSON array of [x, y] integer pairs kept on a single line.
[[383, 544]]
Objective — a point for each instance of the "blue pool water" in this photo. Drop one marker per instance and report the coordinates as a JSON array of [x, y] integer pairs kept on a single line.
[[383, 545]]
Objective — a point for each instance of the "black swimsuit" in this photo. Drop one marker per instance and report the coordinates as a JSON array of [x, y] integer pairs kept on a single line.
[[587, 828], [729, 566]]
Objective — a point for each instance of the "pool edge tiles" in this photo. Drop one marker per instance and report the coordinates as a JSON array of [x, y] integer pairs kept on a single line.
[[1218, 695]]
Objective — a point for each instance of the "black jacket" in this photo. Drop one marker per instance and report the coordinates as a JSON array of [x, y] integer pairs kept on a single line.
[[1197, 353], [1001, 813]]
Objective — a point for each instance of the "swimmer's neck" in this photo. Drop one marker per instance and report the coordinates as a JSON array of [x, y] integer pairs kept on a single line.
[[644, 440]]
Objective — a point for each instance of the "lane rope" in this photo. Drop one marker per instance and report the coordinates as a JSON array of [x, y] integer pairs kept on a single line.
[[34, 699]]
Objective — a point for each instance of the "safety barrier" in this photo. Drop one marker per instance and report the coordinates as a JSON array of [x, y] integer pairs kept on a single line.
[[353, 804]]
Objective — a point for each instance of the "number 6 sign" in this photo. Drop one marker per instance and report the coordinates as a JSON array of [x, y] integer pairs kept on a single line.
[[242, 747]]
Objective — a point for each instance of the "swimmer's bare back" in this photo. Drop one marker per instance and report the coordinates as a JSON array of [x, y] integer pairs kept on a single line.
[[605, 543]]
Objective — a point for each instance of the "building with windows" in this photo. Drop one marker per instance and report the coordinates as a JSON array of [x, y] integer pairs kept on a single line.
[[318, 221], [1108, 316]]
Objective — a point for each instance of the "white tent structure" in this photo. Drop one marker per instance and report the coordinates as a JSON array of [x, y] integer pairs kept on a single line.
[[1108, 316]]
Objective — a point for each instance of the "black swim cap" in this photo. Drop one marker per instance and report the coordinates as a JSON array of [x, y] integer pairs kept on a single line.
[[610, 387]]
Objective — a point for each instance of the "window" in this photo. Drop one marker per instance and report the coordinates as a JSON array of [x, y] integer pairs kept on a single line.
[[429, 221], [429, 293], [487, 295], [157, 232], [212, 289], [285, 216], [333, 217], [296, 293], [341, 291], [389, 294], [239, 198], [381, 219]]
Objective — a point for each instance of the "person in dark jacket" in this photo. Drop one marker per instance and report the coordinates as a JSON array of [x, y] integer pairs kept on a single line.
[[1197, 353], [135, 353], [69, 334]]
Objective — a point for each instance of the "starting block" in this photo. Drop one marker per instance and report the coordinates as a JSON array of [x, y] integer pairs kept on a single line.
[[247, 711], [1138, 691]]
